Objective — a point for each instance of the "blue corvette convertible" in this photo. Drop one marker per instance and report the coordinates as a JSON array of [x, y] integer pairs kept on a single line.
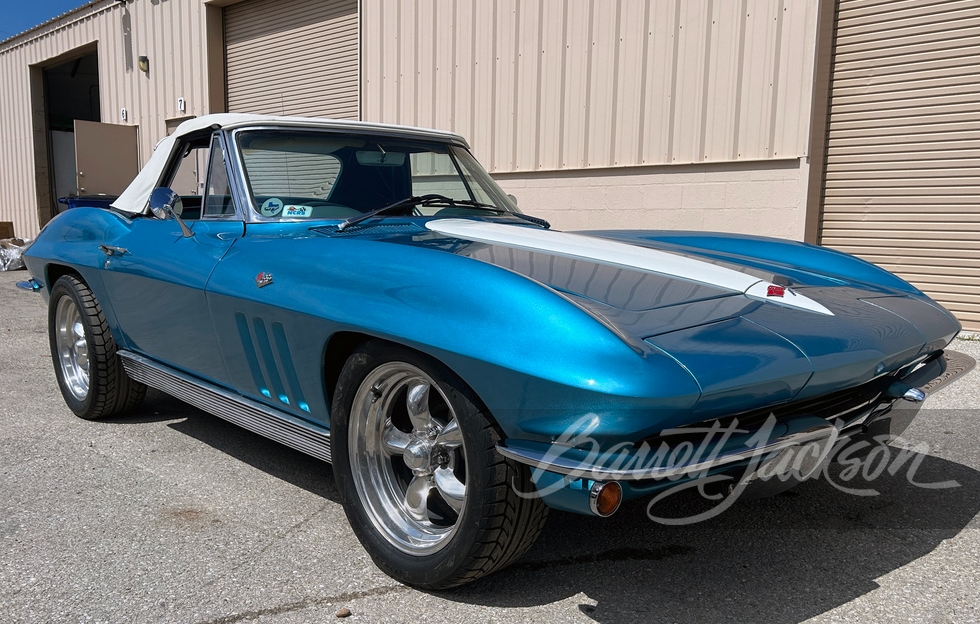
[[368, 295]]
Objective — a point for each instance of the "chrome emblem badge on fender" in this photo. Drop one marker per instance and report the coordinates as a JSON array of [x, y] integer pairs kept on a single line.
[[263, 279]]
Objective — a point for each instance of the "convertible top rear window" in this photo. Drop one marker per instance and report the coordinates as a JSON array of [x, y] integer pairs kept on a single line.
[[274, 172]]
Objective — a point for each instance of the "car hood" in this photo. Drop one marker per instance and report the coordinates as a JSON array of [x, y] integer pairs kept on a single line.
[[750, 331]]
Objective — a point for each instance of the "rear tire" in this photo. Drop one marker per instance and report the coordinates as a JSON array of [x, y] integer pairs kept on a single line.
[[423, 486], [89, 372]]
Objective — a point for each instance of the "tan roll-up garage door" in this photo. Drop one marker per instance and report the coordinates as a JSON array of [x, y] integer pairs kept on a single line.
[[902, 179], [292, 57]]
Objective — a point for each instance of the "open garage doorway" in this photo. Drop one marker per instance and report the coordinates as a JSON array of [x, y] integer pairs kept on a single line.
[[71, 92], [75, 155]]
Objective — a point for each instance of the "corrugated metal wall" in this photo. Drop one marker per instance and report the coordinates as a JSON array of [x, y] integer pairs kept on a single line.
[[552, 84], [293, 57], [535, 85], [171, 34], [902, 181]]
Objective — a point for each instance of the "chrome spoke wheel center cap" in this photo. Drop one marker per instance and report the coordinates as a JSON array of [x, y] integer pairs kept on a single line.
[[418, 456], [406, 455]]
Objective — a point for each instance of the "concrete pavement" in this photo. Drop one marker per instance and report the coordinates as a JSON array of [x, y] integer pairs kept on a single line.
[[172, 515]]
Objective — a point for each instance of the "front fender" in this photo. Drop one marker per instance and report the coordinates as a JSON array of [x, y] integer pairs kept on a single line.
[[537, 361]]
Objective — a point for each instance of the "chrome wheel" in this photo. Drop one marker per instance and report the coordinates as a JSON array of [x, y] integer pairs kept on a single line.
[[72, 348], [89, 372], [406, 458], [416, 466]]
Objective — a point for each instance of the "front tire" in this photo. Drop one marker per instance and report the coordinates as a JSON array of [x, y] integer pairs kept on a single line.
[[89, 372], [423, 487]]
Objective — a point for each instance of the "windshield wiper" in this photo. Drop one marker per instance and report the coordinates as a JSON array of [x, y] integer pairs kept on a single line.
[[408, 201], [465, 203], [535, 220], [433, 199]]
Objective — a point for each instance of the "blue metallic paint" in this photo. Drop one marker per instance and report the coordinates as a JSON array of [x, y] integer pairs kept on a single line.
[[548, 342], [158, 292], [558, 348], [539, 377], [802, 262], [70, 241], [739, 365]]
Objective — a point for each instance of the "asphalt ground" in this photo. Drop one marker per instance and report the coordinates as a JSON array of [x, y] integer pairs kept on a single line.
[[172, 515]]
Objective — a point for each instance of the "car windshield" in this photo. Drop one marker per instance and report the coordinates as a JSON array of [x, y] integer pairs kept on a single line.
[[309, 174]]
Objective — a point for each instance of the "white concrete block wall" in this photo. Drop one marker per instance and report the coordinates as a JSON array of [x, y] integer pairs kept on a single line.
[[765, 198]]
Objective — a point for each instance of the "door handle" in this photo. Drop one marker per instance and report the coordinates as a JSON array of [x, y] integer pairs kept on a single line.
[[109, 250]]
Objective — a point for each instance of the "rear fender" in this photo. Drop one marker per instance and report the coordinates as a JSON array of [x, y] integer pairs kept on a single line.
[[69, 243]]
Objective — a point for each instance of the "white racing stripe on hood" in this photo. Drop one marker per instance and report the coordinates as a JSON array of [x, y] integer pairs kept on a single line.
[[620, 255]]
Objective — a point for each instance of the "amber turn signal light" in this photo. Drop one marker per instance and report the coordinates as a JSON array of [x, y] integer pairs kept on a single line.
[[604, 498]]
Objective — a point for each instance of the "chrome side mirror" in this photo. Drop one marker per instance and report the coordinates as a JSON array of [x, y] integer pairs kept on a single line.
[[166, 204]]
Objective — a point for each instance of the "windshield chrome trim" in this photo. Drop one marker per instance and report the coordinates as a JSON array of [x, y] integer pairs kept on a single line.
[[237, 163]]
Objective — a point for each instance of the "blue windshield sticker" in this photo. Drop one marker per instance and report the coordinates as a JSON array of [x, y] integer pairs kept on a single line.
[[271, 207]]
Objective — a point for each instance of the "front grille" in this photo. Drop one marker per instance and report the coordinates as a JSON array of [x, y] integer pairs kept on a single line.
[[848, 405]]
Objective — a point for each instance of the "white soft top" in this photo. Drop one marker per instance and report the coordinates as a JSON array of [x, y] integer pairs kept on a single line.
[[136, 195]]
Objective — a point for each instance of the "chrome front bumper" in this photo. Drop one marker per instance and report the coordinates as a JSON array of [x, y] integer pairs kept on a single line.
[[728, 447]]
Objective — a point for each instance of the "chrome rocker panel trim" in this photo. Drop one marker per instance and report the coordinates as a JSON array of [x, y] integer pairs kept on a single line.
[[248, 414]]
